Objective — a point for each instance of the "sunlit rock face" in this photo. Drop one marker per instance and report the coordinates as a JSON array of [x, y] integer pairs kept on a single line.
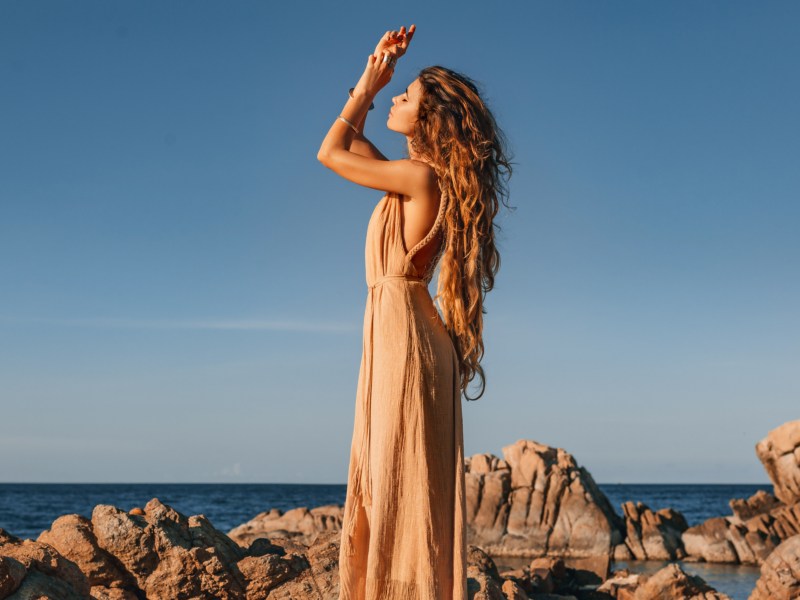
[[537, 501]]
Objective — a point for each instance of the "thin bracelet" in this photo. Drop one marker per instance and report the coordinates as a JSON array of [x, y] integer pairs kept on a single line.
[[349, 124]]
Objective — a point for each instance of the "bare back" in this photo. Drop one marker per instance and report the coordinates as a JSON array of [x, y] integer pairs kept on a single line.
[[419, 216]]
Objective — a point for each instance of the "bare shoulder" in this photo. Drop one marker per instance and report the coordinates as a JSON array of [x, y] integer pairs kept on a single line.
[[427, 186]]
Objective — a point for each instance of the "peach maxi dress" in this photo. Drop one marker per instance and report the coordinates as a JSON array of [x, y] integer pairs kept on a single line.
[[404, 524]]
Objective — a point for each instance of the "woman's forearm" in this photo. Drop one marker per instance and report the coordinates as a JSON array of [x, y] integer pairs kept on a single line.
[[361, 145], [340, 136]]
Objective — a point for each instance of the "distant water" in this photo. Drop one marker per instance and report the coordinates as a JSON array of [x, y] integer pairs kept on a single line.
[[27, 509]]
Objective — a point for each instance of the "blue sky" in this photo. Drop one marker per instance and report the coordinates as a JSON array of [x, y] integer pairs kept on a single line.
[[183, 283]]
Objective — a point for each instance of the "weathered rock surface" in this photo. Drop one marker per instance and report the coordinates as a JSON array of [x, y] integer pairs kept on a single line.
[[652, 535], [760, 523], [755, 529], [301, 524], [537, 501], [158, 553], [780, 573], [45, 572], [779, 452], [668, 583], [760, 503]]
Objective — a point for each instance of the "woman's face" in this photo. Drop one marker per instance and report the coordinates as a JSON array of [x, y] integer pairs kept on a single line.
[[405, 105]]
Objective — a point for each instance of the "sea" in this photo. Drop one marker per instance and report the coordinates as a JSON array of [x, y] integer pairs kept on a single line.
[[27, 509]]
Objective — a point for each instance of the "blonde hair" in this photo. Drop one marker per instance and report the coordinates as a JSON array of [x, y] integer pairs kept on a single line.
[[456, 132]]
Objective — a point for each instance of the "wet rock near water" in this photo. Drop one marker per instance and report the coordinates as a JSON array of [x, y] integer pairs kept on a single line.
[[760, 523], [159, 554], [669, 582], [651, 535]]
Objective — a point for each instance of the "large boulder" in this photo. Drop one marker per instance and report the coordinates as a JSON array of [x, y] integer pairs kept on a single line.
[[537, 501], [779, 452]]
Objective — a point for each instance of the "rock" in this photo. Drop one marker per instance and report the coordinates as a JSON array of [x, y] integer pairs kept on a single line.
[[12, 572], [41, 586], [300, 523], [48, 573], [653, 535], [162, 554], [512, 591], [739, 539], [590, 570], [7, 538], [780, 573], [622, 584], [544, 575], [99, 592], [760, 523], [315, 573], [622, 553], [483, 580], [538, 502], [481, 562], [552, 564], [487, 493], [671, 582], [73, 537], [779, 452], [709, 540], [481, 586], [129, 538], [760, 503]]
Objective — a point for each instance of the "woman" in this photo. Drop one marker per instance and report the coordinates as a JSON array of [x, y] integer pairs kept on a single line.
[[404, 524]]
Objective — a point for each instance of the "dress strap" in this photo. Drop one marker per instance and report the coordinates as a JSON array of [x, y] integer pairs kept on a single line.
[[434, 229]]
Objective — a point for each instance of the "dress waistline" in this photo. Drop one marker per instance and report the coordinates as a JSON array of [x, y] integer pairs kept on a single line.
[[385, 278]]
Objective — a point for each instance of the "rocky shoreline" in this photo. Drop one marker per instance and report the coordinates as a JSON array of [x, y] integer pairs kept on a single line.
[[535, 502]]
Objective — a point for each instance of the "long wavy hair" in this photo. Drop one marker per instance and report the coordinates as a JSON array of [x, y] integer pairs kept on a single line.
[[457, 133]]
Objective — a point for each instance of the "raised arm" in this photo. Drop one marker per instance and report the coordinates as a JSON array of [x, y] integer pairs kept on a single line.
[[347, 152], [363, 147]]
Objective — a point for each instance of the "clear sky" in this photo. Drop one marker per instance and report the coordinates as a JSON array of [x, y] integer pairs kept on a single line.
[[183, 282]]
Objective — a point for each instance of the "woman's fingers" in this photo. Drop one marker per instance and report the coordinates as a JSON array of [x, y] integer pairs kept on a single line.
[[408, 36], [395, 41]]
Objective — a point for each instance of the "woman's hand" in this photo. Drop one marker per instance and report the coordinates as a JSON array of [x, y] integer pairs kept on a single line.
[[378, 72], [395, 42]]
